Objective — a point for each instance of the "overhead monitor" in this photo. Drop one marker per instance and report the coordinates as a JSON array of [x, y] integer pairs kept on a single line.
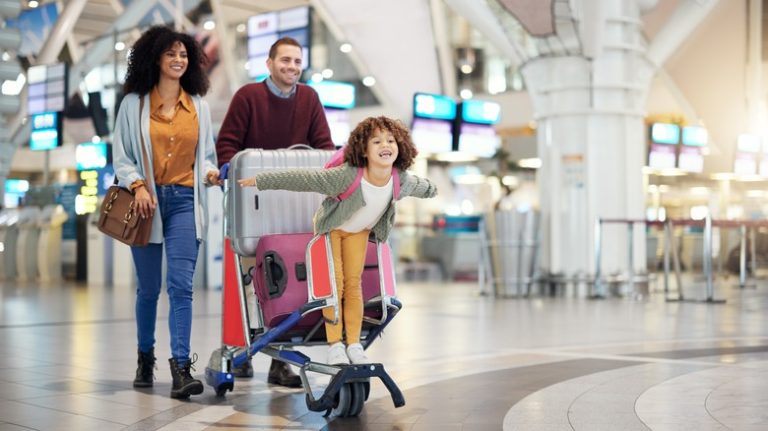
[[335, 94], [747, 143], [691, 159], [664, 133], [695, 136], [14, 192], [47, 88], [478, 139], [432, 136], [480, 112], [338, 122], [745, 164], [661, 156], [91, 155], [434, 106], [264, 29], [46, 131]]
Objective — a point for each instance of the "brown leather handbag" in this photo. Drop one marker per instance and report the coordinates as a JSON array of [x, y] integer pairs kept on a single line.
[[119, 217]]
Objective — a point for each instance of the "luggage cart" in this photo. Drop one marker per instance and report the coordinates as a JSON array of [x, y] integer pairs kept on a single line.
[[349, 385]]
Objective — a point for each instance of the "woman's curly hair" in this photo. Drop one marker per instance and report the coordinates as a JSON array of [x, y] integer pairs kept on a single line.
[[354, 152], [143, 68]]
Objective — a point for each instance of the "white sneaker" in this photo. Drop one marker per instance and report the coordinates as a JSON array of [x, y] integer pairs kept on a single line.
[[356, 354], [337, 355]]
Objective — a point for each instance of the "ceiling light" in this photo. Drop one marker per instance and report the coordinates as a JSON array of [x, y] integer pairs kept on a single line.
[[723, 176], [345, 48], [119, 46], [533, 163], [466, 93], [327, 73], [369, 81], [6, 56], [466, 69], [510, 181], [672, 172], [316, 77], [209, 25], [240, 28], [470, 179], [749, 178], [699, 191], [33, 4], [455, 156]]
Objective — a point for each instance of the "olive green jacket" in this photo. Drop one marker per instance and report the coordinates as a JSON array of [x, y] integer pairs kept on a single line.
[[334, 181]]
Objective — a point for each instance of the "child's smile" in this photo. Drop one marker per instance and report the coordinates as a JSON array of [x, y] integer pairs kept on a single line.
[[382, 149]]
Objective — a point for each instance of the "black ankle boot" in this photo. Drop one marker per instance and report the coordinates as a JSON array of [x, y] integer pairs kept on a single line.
[[281, 374], [184, 384], [145, 375]]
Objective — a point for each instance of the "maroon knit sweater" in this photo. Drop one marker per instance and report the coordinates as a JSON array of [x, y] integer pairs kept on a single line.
[[258, 119]]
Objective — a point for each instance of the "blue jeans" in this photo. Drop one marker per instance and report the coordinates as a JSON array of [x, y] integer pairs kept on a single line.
[[176, 205]]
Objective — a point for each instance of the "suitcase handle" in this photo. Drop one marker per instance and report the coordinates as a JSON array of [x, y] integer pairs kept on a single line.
[[274, 269]]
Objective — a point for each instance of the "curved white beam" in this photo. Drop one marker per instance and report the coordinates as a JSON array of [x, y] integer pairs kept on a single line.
[[688, 15], [483, 19]]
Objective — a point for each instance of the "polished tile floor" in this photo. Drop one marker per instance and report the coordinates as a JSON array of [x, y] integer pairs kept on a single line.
[[463, 361]]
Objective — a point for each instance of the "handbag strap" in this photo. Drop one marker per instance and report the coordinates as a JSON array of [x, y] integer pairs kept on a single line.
[[149, 177]]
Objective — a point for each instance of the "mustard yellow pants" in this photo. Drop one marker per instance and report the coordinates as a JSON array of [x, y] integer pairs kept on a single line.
[[348, 263]]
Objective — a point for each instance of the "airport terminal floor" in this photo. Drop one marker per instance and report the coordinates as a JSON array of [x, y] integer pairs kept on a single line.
[[463, 361]]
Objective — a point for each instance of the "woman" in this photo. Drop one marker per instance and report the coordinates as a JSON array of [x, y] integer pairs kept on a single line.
[[164, 121]]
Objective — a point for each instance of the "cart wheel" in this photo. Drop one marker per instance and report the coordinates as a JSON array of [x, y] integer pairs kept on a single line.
[[367, 385], [342, 401], [222, 389], [358, 398]]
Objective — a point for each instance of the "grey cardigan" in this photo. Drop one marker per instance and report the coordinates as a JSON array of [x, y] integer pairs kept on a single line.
[[334, 181], [129, 167]]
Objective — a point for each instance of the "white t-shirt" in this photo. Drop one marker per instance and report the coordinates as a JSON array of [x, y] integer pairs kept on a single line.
[[376, 202]]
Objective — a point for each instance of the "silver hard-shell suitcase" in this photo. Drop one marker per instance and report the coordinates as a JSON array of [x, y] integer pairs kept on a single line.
[[252, 213]]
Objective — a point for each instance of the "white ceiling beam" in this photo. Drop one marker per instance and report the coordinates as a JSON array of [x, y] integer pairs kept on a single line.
[[484, 20], [681, 23]]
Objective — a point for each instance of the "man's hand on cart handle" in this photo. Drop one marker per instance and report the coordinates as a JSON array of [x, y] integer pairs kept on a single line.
[[247, 182]]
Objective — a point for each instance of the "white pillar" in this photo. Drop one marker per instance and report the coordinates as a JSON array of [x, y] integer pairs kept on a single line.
[[591, 140]]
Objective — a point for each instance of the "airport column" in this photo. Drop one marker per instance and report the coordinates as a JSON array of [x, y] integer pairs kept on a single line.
[[10, 39], [589, 102]]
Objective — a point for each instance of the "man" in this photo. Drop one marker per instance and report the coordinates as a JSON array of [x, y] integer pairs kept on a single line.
[[276, 113]]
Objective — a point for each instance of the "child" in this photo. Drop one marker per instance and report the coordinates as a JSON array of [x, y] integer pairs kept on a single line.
[[376, 145]]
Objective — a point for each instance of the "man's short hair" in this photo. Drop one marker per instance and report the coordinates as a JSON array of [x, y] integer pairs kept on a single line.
[[282, 41]]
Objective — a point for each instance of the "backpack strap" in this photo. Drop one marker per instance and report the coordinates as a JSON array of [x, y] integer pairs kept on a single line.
[[352, 186], [396, 183], [359, 177]]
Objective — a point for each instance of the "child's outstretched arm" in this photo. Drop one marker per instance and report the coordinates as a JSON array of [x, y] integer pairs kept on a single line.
[[412, 185], [325, 181], [247, 182]]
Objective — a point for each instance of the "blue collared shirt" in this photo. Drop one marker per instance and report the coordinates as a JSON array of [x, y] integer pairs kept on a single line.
[[277, 92]]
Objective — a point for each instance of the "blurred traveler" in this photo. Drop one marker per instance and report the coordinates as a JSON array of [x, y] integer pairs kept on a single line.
[[164, 115], [276, 113]]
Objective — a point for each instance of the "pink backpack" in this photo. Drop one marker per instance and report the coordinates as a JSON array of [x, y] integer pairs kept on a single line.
[[337, 159]]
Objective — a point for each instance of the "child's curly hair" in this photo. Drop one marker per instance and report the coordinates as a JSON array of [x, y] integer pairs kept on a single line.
[[354, 152], [143, 69]]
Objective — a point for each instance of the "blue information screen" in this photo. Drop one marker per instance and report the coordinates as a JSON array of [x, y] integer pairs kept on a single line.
[[434, 106], [335, 94], [45, 131], [478, 111], [663, 133], [695, 136]]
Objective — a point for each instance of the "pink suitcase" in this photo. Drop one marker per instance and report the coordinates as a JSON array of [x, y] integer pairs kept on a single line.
[[280, 282]]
